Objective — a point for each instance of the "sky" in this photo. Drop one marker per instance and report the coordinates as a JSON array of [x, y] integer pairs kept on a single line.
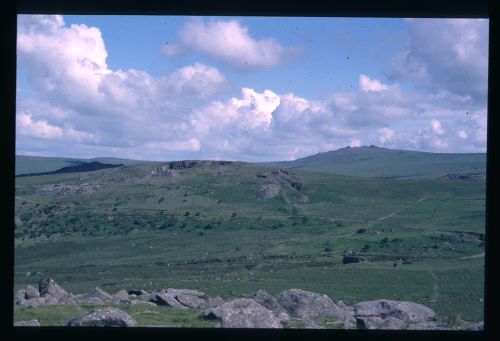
[[248, 88]]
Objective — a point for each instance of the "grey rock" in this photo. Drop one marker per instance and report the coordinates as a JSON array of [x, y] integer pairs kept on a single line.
[[70, 299], [169, 300], [268, 191], [190, 301], [137, 292], [408, 312], [121, 295], [50, 287], [40, 300], [268, 301], [106, 317], [376, 322], [212, 302], [98, 293], [30, 323], [476, 326], [31, 292], [242, 313], [428, 325], [299, 303], [191, 292], [20, 297], [92, 300]]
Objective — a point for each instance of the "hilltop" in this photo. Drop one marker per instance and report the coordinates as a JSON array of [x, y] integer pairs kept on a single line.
[[373, 161]]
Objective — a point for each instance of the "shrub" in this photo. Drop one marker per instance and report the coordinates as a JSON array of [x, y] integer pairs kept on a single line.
[[361, 230]]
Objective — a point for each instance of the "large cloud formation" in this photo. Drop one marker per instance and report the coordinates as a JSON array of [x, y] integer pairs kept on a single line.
[[80, 107], [230, 42]]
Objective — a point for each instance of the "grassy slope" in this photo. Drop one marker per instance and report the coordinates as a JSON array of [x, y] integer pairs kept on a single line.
[[37, 164], [383, 162], [207, 230]]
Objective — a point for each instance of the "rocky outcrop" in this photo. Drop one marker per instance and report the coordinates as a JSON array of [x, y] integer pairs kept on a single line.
[[48, 292], [106, 317], [49, 287], [31, 292], [30, 323], [281, 179], [268, 301], [242, 313], [268, 191], [387, 314], [300, 303]]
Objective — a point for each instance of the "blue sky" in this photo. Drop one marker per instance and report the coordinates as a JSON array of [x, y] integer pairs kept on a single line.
[[248, 88]]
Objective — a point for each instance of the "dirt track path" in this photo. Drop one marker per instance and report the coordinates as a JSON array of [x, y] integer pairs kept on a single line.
[[399, 210], [479, 255]]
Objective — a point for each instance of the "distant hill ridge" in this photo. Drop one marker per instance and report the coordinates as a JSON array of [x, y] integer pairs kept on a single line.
[[373, 161], [365, 161], [26, 164], [80, 167]]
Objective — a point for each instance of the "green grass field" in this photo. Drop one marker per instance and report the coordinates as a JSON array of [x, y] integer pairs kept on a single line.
[[207, 229]]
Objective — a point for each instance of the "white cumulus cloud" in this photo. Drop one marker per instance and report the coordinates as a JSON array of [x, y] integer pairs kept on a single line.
[[228, 41], [367, 84]]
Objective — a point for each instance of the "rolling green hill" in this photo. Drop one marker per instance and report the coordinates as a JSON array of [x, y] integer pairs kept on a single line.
[[231, 228], [38, 164], [382, 162]]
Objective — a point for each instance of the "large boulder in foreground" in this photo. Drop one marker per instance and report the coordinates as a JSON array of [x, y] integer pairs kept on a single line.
[[270, 302], [242, 313], [106, 317], [387, 314], [302, 304]]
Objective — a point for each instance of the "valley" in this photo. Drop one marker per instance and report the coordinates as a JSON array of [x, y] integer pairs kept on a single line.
[[232, 228]]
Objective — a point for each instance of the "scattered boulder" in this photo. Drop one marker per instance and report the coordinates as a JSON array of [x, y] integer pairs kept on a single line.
[[30, 323], [476, 326], [20, 297], [97, 295], [376, 322], [212, 302], [242, 313], [190, 301], [268, 301], [106, 317], [300, 304], [31, 292], [163, 298], [121, 295], [381, 314], [48, 287]]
